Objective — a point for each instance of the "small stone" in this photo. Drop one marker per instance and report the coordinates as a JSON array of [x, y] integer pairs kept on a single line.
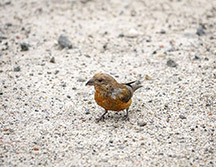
[[64, 42], [132, 33], [121, 35], [80, 148], [162, 32], [141, 122], [1, 93], [133, 13], [201, 30], [36, 148], [17, 69], [196, 57], [84, 1], [24, 46], [182, 117], [56, 72], [147, 77], [81, 80], [8, 24], [154, 52], [52, 60], [121, 147], [87, 112], [68, 96], [111, 141], [171, 63], [3, 37]]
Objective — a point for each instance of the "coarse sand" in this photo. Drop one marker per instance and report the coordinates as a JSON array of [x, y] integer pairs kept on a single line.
[[49, 49]]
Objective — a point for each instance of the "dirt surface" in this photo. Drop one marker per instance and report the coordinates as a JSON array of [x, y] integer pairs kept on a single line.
[[47, 114]]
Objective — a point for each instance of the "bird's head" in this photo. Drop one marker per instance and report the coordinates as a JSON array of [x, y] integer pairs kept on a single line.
[[102, 81]]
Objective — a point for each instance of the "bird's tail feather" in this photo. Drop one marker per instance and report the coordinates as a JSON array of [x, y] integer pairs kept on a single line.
[[134, 85]]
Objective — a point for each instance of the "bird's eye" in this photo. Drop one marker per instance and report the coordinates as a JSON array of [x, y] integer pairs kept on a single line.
[[100, 80]]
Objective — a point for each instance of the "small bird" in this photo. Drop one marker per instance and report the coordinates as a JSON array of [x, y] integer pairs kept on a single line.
[[112, 95]]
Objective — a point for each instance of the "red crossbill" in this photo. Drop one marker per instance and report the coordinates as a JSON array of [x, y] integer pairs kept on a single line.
[[112, 95]]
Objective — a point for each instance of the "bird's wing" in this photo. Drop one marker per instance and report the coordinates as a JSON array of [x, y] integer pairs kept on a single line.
[[123, 93]]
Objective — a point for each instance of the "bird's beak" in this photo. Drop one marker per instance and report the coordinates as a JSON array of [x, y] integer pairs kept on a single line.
[[90, 82]]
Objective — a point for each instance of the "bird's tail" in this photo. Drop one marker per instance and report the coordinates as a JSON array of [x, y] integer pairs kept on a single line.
[[134, 85]]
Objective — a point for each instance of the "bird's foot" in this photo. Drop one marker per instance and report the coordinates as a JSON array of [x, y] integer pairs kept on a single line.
[[100, 119], [126, 118]]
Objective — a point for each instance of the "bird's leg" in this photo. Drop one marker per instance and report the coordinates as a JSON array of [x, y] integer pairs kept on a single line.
[[102, 116], [127, 115]]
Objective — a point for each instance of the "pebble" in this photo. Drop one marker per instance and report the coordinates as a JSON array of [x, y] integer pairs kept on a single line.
[[64, 42], [196, 57], [52, 60], [141, 122], [162, 32], [171, 63], [182, 117], [132, 33], [36, 148], [24, 46], [17, 69], [3, 37], [81, 80], [8, 24], [201, 30]]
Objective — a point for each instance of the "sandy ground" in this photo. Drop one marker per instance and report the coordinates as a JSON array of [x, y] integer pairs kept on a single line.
[[47, 114]]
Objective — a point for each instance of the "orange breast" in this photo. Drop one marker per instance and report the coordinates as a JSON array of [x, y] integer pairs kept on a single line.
[[109, 103]]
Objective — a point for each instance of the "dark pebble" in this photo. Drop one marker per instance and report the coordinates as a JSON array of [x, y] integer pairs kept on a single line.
[[196, 57], [182, 117], [8, 24], [201, 30], [87, 112], [81, 80], [141, 123], [171, 63], [17, 69], [163, 32], [3, 37], [24, 46], [155, 52], [56, 72], [68, 96], [52, 60], [1, 93], [121, 35], [64, 42]]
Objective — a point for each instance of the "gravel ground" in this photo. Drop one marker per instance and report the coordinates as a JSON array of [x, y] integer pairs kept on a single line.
[[50, 48]]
